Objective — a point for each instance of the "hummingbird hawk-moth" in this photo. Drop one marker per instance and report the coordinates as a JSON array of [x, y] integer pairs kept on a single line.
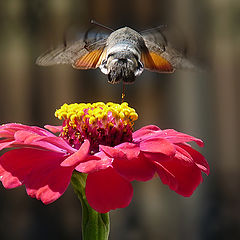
[[122, 54]]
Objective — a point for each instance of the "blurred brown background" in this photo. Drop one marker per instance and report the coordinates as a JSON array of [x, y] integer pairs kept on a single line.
[[202, 104]]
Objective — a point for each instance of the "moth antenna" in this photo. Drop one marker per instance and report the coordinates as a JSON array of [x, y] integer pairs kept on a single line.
[[160, 27], [101, 25]]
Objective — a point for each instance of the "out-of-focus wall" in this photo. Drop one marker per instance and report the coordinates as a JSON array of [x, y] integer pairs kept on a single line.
[[203, 104]]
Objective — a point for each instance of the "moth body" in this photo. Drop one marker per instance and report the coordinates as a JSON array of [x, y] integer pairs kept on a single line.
[[123, 54]]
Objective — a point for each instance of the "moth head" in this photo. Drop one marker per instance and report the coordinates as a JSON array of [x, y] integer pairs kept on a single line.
[[123, 66]]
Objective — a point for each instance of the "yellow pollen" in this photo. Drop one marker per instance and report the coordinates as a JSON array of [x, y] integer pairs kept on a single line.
[[91, 113]]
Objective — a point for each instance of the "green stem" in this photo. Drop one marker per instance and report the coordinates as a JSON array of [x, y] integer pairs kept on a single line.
[[95, 225]]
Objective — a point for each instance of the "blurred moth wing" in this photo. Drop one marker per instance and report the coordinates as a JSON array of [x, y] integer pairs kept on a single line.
[[82, 54], [155, 62], [160, 55], [93, 57]]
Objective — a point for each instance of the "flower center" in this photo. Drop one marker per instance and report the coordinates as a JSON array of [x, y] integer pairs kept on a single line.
[[108, 124]]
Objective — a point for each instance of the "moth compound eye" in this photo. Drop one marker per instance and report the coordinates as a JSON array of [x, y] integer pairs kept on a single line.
[[140, 65], [139, 69], [103, 67]]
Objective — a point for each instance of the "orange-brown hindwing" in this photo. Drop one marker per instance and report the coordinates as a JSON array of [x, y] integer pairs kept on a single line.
[[90, 60], [155, 62]]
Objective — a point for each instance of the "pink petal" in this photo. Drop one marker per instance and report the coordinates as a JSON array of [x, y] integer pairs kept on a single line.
[[197, 157], [180, 176], [157, 145], [112, 152], [27, 136], [158, 157], [106, 190], [11, 128], [178, 137], [135, 168], [4, 133], [38, 130], [8, 126], [145, 132], [167, 177], [5, 143], [23, 133], [8, 180], [14, 166], [181, 153], [95, 163], [39, 170], [78, 156], [48, 185], [32, 140], [131, 150], [128, 163], [123, 150], [54, 129], [168, 134], [8, 130], [57, 143]]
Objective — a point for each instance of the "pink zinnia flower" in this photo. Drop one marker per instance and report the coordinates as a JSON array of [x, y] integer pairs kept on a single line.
[[98, 139]]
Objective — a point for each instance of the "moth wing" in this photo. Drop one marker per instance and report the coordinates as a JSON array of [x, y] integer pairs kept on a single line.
[[62, 54], [160, 55], [82, 53], [154, 61], [92, 57]]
